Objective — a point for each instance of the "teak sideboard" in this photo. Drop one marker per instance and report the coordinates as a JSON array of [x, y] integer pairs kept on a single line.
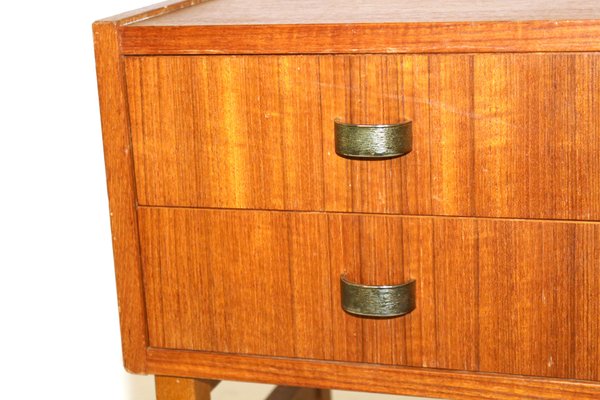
[[399, 197]]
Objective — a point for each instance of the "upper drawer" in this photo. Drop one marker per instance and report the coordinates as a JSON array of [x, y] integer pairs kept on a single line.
[[493, 135]]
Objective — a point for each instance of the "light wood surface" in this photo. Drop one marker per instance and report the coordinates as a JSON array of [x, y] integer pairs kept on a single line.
[[171, 388], [256, 132], [266, 12], [427, 382], [499, 296], [150, 11]]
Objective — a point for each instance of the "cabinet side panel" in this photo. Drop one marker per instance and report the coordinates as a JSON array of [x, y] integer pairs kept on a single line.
[[121, 191]]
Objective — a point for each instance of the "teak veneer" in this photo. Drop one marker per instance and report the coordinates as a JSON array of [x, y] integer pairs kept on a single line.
[[233, 217]]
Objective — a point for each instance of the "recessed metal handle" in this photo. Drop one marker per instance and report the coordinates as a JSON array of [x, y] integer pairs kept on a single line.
[[373, 141], [378, 301]]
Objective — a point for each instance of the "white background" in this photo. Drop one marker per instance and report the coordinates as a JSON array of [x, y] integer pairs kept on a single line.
[[59, 332]]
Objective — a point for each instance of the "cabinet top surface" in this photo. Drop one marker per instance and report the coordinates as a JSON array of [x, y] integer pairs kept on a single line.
[[275, 12]]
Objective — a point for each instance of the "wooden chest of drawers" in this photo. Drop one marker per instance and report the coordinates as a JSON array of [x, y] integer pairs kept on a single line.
[[234, 218]]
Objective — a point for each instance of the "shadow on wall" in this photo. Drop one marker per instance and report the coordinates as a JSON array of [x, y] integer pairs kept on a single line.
[[139, 387]]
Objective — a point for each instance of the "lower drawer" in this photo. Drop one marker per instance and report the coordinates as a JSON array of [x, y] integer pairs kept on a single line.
[[517, 297]]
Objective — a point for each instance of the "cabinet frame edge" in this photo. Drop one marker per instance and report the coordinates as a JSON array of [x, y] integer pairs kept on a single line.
[[400, 380], [122, 199]]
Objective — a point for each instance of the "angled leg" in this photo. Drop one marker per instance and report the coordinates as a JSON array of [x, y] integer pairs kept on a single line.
[[171, 388]]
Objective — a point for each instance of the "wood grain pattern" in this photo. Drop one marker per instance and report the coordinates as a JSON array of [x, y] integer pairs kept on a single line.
[[451, 85], [547, 139], [455, 265], [486, 143], [533, 297], [121, 191], [374, 378], [169, 388], [499, 296], [227, 132], [242, 307], [268, 12], [586, 307], [416, 37]]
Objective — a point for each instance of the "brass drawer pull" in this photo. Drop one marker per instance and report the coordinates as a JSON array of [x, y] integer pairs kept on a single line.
[[378, 301], [373, 141]]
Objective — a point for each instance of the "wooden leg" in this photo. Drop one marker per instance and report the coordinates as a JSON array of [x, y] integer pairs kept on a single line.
[[169, 388], [294, 393], [323, 394]]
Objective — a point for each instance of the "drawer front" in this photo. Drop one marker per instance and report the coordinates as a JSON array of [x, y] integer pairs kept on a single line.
[[495, 135], [517, 297]]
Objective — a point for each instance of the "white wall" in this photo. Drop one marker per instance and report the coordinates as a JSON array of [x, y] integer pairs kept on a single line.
[[59, 328], [59, 333]]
